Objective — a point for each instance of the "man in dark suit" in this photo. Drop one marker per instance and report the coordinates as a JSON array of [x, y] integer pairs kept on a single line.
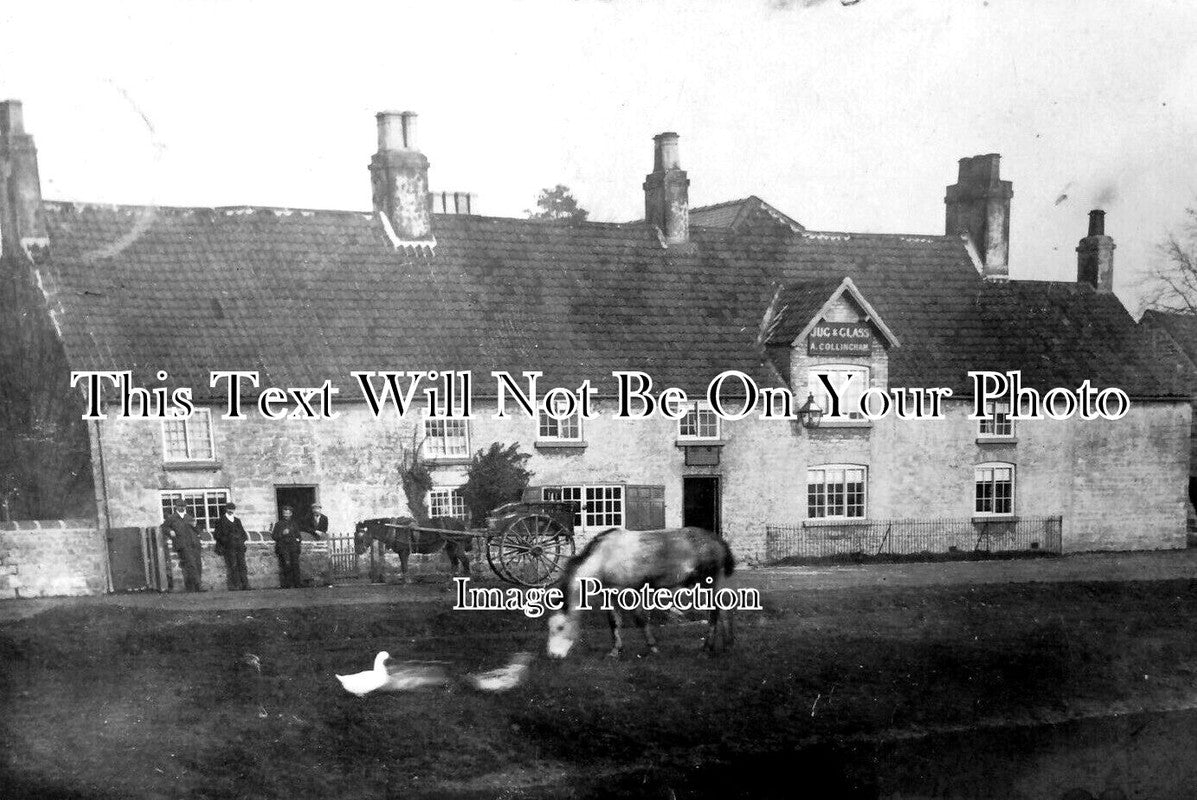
[[180, 528], [316, 523], [286, 535], [230, 542]]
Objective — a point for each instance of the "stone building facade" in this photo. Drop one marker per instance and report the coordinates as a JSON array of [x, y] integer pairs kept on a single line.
[[1086, 472], [301, 297]]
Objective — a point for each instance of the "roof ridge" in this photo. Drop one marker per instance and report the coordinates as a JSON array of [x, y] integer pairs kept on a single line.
[[246, 209], [807, 282], [73, 205], [547, 222], [909, 237], [726, 203], [1047, 282]]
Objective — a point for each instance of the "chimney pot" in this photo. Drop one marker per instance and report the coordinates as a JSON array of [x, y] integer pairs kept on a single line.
[[408, 120], [982, 170], [666, 154], [396, 130], [1097, 222], [12, 119]]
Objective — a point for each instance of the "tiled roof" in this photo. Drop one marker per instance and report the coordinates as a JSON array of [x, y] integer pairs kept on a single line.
[[1174, 335], [794, 306], [719, 215], [1063, 333], [736, 212], [306, 295]]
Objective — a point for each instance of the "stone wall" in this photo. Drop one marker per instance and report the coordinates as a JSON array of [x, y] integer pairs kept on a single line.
[[261, 564], [45, 559], [315, 565]]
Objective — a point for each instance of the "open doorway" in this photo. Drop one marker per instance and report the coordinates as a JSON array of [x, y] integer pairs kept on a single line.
[[700, 502], [300, 498]]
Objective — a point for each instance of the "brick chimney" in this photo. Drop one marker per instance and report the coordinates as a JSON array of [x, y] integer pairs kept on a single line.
[[21, 220], [979, 206], [1095, 255], [399, 176], [667, 192]]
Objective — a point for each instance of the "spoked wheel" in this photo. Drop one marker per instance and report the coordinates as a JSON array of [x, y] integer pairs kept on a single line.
[[530, 551]]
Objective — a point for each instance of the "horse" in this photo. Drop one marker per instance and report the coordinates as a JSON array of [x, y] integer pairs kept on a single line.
[[396, 534], [662, 559]]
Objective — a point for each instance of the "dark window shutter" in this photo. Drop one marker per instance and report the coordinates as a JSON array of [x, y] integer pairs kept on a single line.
[[531, 494], [644, 508]]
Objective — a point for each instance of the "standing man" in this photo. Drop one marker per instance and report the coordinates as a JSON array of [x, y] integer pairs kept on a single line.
[[286, 535], [230, 542], [316, 523], [180, 528]]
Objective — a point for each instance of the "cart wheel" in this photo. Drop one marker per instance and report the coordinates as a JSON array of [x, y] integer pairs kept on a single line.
[[530, 551], [492, 553]]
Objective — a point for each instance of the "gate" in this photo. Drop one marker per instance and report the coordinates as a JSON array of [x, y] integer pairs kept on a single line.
[[156, 552], [126, 563], [342, 557], [138, 559]]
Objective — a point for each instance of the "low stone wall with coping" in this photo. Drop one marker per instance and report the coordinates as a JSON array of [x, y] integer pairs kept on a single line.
[[261, 564], [48, 558]]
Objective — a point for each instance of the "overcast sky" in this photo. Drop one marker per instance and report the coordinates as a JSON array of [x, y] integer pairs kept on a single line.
[[845, 117]]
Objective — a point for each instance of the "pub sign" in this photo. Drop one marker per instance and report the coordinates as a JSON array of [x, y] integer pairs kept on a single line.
[[702, 456], [840, 339]]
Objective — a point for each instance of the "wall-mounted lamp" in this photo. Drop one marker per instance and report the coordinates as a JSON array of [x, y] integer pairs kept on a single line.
[[810, 414]]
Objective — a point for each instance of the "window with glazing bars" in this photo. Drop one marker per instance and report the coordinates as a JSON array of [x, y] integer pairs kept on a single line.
[[446, 438], [598, 506], [206, 505], [1000, 423], [835, 492], [569, 429], [850, 383], [994, 489], [446, 503], [699, 423], [188, 439]]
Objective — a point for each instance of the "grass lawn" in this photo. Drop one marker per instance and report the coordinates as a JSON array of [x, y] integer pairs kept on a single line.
[[104, 702]]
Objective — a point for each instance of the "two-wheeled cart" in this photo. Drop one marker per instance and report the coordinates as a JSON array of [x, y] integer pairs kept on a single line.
[[526, 543]]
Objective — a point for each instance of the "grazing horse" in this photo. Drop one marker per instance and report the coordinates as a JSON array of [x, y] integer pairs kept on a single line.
[[623, 559], [394, 533]]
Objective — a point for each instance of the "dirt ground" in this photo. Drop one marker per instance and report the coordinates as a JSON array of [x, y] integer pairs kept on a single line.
[[1141, 566], [853, 682]]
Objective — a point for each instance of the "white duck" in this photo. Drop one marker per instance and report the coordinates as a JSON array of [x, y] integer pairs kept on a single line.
[[366, 682], [503, 678], [409, 675]]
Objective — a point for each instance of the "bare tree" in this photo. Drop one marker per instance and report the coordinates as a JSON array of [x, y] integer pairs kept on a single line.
[[1171, 285]]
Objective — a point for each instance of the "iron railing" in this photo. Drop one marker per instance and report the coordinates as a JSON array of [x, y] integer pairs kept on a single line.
[[912, 539]]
